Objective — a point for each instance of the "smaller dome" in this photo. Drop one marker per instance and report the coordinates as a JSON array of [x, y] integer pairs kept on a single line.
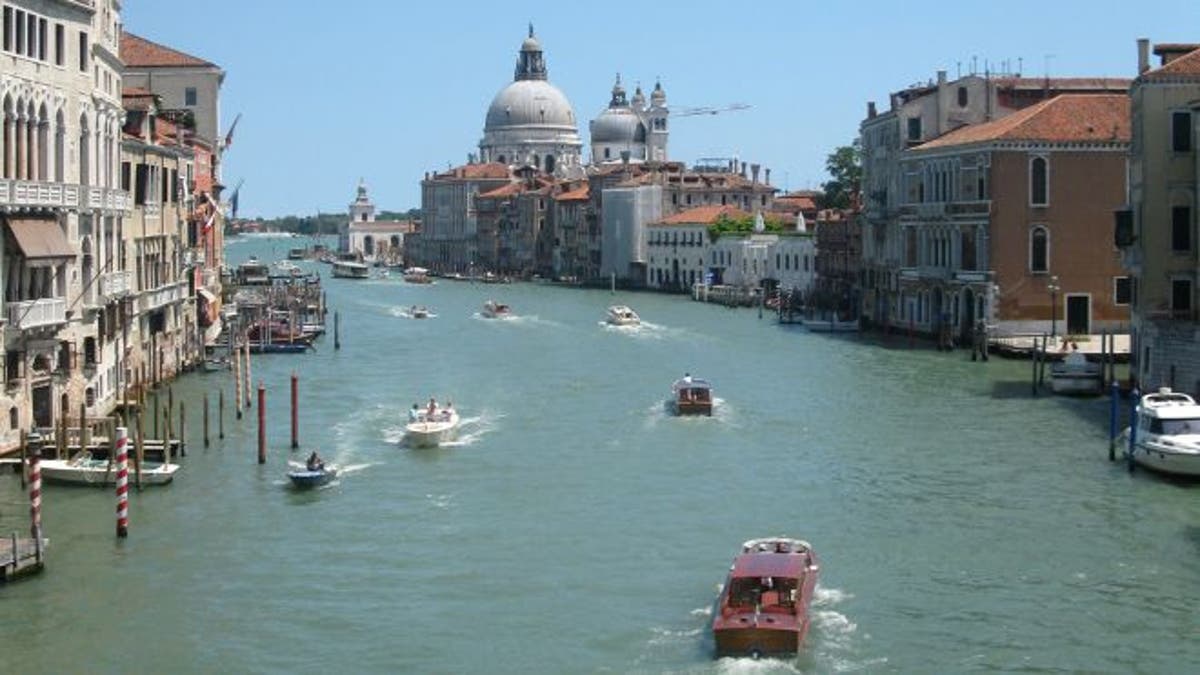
[[658, 97], [639, 99], [531, 45], [618, 126]]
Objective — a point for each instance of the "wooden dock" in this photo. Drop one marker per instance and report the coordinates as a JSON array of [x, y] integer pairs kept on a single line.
[[20, 557]]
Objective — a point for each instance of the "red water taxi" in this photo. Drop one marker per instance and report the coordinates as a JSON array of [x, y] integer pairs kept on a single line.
[[692, 396], [763, 608]]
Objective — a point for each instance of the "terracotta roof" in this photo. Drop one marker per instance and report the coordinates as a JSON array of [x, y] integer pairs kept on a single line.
[[489, 170], [1066, 118], [503, 191], [796, 201], [134, 92], [703, 215], [139, 52], [577, 195], [1187, 65]]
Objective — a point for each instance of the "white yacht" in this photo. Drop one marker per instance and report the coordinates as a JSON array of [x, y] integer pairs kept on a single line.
[[429, 428], [620, 315], [84, 469], [1166, 435]]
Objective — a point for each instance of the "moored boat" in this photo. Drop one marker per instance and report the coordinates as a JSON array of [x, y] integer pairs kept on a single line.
[[1076, 375], [350, 269], [830, 325], [430, 427], [1166, 435], [495, 310], [763, 608], [691, 396], [86, 469], [620, 315]]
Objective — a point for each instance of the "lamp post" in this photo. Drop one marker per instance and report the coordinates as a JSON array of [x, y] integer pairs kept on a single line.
[[1053, 287]]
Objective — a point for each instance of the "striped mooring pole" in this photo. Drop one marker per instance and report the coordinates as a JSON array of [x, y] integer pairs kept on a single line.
[[122, 482], [35, 496]]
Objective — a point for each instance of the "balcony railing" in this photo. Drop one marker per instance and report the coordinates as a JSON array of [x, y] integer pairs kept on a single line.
[[116, 285], [163, 295], [36, 313], [28, 193]]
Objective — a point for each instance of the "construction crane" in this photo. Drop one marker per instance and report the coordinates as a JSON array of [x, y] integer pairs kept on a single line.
[[708, 110]]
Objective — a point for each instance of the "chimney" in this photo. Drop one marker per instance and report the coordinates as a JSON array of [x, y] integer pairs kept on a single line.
[[1143, 55], [767, 178], [941, 78], [754, 168], [871, 110]]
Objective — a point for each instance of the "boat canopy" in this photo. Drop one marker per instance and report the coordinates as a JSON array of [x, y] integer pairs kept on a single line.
[[695, 383]]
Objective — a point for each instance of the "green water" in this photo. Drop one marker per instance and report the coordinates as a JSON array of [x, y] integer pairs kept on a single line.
[[961, 525]]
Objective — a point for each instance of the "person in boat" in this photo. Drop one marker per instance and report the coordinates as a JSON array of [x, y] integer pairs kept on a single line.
[[414, 413], [314, 462], [432, 407]]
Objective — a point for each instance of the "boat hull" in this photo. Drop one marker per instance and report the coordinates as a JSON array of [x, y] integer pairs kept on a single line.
[[756, 641], [100, 474], [818, 326], [1166, 461], [310, 479], [1076, 384], [431, 434], [684, 408]]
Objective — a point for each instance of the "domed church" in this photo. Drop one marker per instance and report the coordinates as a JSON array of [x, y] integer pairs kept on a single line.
[[530, 122], [631, 127]]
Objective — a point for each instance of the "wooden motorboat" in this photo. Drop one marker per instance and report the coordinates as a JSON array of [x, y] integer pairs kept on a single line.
[[310, 478], [620, 315], [1166, 435], [429, 429], [691, 396], [495, 310], [417, 275], [85, 469], [763, 608]]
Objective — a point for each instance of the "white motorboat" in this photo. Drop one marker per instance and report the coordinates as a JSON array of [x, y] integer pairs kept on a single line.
[[830, 325], [417, 275], [620, 315], [350, 269], [1076, 375], [1167, 434], [84, 469], [495, 310], [430, 429]]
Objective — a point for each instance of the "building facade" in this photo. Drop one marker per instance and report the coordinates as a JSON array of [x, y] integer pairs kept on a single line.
[[449, 218], [1158, 232], [181, 81], [61, 206], [370, 239]]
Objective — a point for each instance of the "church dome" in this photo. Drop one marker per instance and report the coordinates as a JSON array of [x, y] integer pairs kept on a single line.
[[529, 103], [618, 126]]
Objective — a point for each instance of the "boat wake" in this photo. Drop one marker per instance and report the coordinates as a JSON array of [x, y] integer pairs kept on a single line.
[[406, 313], [723, 413], [472, 429], [643, 331], [833, 636]]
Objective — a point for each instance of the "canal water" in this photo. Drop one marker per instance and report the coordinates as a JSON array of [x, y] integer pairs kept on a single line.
[[575, 527]]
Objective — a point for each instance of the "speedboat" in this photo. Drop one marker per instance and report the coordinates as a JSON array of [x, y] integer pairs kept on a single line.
[[310, 478], [1167, 434], [419, 313], [431, 429], [692, 396], [86, 469], [417, 275], [763, 608], [1076, 375], [620, 315], [495, 310]]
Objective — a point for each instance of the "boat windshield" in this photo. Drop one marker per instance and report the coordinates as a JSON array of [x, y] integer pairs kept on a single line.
[[751, 592], [1176, 427]]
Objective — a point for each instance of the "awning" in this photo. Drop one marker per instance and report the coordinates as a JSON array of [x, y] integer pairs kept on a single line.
[[206, 295], [41, 240], [210, 307]]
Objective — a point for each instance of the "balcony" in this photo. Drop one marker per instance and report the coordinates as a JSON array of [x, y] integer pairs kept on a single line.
[[116, 285], [37, 313], [163, 295], [44, 194]]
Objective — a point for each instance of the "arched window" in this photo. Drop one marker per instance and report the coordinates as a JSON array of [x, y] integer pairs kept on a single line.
[[549, 164], [1039, 249], [1039, 181], [962, 97]]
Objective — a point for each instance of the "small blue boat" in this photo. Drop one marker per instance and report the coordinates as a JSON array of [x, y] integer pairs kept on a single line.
[[303, 478]]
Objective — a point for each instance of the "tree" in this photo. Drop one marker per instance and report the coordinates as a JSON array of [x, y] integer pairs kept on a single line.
[[844, 166]]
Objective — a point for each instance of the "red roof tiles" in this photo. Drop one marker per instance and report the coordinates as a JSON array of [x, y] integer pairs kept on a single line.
[[1067, 118], [1187, 65], [139, 52], [703, 215], [580, 194], [488, 170]]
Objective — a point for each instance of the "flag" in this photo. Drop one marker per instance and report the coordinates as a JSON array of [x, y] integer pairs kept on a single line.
[[232, 127], [209, 223], [233, 203]]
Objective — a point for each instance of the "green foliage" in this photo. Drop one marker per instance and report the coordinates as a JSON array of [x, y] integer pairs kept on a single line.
[[844, 165], [741, 225]]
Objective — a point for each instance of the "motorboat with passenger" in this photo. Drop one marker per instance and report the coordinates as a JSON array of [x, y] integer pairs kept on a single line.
[[495, 310], [1076, 375], [432, 426], [691, 396], [763, 607], [620, 315], [1166, 435], [312, 476], [417, 275]]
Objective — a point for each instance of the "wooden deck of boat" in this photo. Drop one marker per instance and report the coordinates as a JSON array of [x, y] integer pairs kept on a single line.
[[19, 557]]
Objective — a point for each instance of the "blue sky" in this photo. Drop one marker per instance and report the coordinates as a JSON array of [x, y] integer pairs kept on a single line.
[[386, 90]]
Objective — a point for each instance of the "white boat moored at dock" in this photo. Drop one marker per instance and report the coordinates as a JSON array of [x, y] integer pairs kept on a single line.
[[1166, 435]]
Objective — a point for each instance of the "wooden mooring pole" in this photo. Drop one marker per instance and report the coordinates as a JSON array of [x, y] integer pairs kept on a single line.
[[237, 382], [262, 424], [337, 339], [221, 414], [182, 430], [139, 454], [249, 388], [1114, 396], [206, 419], [295, 411]]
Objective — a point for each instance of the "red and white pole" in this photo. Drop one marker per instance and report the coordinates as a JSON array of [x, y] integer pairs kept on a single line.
[[122, 482], [35, 496]]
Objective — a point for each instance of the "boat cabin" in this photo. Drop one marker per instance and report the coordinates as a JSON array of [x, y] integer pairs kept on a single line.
[[692, 396]]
